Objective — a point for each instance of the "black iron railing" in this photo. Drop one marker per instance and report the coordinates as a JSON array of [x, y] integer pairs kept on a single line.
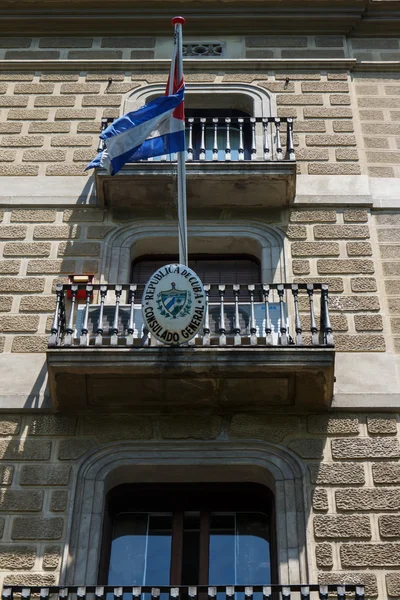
[[267, 315], [224, 139], [268, 592]]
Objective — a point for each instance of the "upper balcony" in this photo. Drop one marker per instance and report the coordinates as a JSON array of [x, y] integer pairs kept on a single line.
[[231, 162], [262, 346]]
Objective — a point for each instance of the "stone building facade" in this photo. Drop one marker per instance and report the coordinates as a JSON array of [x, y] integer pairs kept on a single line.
[[334, 469]]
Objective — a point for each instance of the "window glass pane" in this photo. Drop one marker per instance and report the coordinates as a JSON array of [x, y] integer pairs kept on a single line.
[[191, 548], [252, 549], [141, 549], [222, 549]]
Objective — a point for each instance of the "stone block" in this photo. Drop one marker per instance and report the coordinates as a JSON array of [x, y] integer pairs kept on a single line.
[[80, 88], [8, 155], [299, 99], [395, 324], [58, 501], [77, 215], [2, 524], [274, 41], [79, 249], [128, 42], [335, 283], [315, 249], [21, 284], [359, 249], [71, 140], [102, 100], [56, 232], [37, 528], [10, 127], [15, 42], [19, 323], [367, 90], [342, 526], [89, 127], [382, 425], [353, 303], [33, 88], [25, 249], [75, 113], [299, 76], [296, 232], [27, 115], [21, 500], [44, 155], [391, 269], [2, 342], [320, 499], [313, 216], [51, 557], [12, 232], [379, 102], [39, 475], [308, 448], [330, 140], [337, 473], [73, 449], [51, 266], [324, 555], [49, 127], [334, 169], [365, 448], [65, 170], [25, 450], [98, 232], [33, 215], [368, 322], [388, 235], [179, 428], [389, 526], [24, 344], [318, 53], [143, 54], [327, 113], [346, 154], [90, 267], [367, 499], [392, 287], [343, 126], [17, 557], [37, 304], [84, 155], [344, 266], [51, 425], [393, 305], [19, 170], [393, 584], [8, 101], [329, 425], [54, 101], [371, 115], [264, 427], [5, 303], [388, 219], [375, 142], [340, 100], [119, 427], [301, 267], [324, 86], [9, 425], [368, 580], [341, 232], [30, 579], [116, 77], [369, 555]]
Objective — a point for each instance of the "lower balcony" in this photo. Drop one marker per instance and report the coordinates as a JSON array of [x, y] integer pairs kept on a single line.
[[260, 347], [230, 162], [225, 592]]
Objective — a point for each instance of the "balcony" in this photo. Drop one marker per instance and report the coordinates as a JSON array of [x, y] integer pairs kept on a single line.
[[253, 352], [228, 592], [230, 162]]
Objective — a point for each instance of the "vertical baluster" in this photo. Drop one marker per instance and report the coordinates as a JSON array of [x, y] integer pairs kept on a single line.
[[212, 592], [267, 592], [289, 140], [253, 138], [253, 328], [241, 143], [174, 593], [323, 592], [70, 327], [298, 328], [114, 329], [267, 155], [359, 592], [341, 592], [6, 593], [81, 593], [326, 326], [136, 593], [84, 337], [313, 324], [99, 331], [118, 593], [286, 593], [229, 592], [202, 154], [215, 146], [206, 328], [278, 144], [131, 322], [44, 593], [228, 139], [268, 324], [237, 340], [192, 592], [222, 328], [305, 592], [190, 152], [282, 329], [99, 592], [63, 594], [54, 339], [26, 593]]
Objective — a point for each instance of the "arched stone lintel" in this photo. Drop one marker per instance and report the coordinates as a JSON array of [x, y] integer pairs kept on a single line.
[[126, 462]]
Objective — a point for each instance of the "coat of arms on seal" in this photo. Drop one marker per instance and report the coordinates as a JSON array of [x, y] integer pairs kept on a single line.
[[174, 303]]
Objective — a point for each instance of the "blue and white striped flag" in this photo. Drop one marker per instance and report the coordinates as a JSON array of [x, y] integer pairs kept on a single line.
[[153, 130]]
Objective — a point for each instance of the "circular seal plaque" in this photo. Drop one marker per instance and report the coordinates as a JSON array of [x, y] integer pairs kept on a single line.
[[174, 304]]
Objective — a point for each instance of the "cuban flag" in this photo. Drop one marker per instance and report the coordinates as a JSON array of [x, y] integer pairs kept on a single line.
[[156, 129]]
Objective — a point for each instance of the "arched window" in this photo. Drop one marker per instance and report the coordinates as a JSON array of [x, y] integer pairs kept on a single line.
[[189, 534]]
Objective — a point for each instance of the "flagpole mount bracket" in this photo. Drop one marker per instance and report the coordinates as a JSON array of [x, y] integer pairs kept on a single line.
[[178, 20]]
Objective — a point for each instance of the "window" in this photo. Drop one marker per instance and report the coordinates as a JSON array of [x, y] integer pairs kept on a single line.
[[188, 534]]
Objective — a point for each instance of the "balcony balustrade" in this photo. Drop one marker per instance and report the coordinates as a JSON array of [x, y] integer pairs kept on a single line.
[[228, 592], [260, 346], [230, 161]]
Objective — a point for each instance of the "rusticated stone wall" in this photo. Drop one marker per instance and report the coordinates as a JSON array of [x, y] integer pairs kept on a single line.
[[352, 482]]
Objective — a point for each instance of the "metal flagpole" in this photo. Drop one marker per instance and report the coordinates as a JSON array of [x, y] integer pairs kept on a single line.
[[182, 217]]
